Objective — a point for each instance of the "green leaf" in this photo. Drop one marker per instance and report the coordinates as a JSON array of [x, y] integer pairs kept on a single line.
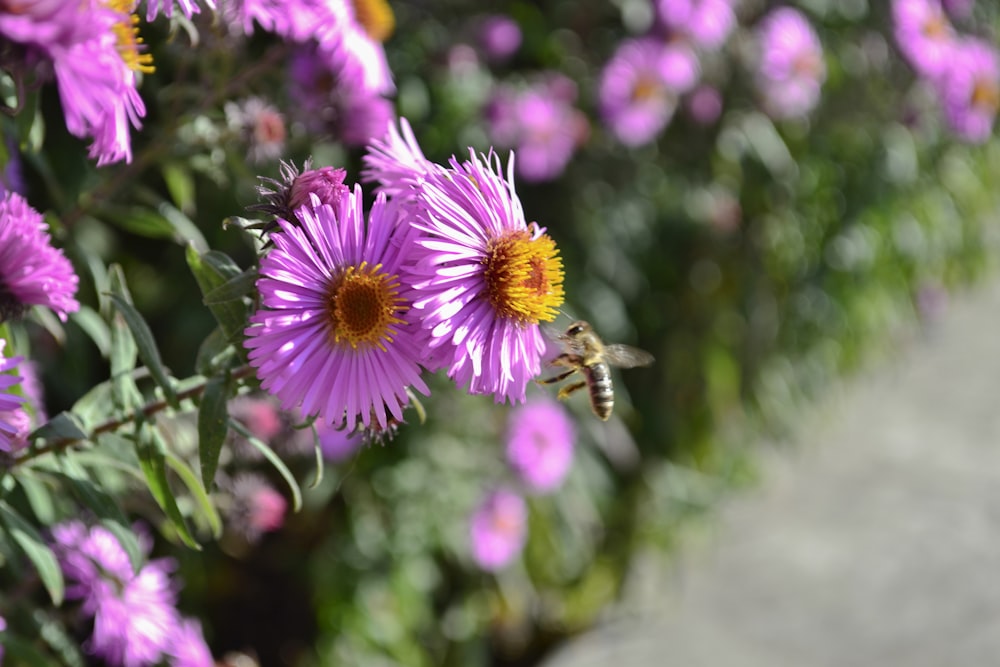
[[211, 270], [273, 459], [34, 548], [52, 324], [124, 392], [139, 220], [64, 426], [235, 288], [39, 496], [20, 651], [94, 326], [152, 459], [320, 461], [93, 406], [148, 351], [211, 350], [180, 185], [213, 420], [198, 493]]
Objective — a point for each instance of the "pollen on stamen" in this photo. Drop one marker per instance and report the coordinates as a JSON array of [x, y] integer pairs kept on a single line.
[[363, 304], [131, 47], [376, 17], [524, 277]]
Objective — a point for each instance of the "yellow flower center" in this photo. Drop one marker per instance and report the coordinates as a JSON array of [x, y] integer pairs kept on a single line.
[[986, 94], [376, 17], [523, 277], [362, 304], [646, 88], [130, 45], [936, 28]]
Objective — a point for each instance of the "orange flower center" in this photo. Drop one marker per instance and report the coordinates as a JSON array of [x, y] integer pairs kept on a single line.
[[523, 277], [376, 17], [362, 305], [986, 94], [130, 45]]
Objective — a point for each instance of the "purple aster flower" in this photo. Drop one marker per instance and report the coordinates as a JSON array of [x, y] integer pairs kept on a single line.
[[134, 612], [335, 335], [959, 8], [338, 444], [708, 23], [255, 507], [498, 529], [483, 277], [540, 444], [924, 35], [970, 87], [705, 105], [11, 422], [499, 37], [32, 272], [355, 44], [295, 20], [95, 52], [293, 190], [540, 123], [188, 647], [187, 7], [636, 98], [791, 69]]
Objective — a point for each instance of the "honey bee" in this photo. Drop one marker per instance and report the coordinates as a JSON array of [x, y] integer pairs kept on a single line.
[[588, 355]]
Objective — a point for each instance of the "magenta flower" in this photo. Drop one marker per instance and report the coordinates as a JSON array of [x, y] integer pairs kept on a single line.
[[498, 529], [95, 53], [338, 444], [540, 124], [483, 277], [11, 420], [499, 37], [295, 20], [959, 8], [335, 335], [705, 105], [255, 506], [187, 7], [540, 444], [188, 647], [924, 35], [791, 70], [134, 613], [32, 272], [707, 23], [970, 88], [637, 99]]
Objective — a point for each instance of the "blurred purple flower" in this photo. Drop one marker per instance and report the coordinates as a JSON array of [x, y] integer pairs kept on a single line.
[[924, 35], [970, 88], [188, 647], [12, 176], [499, 37], [261, 125], [188, 7], [295, 20], [338, 444], [498, 529], [355, 46], [636, 99], [959, 8], [95, 52], [705, 105], [540, 124], [259, 414], [483, 277], [32, 272], [134, 613], [335, 335], [791, 70], [255, 506], [540, 444], [708, 23], [3, 628], [10, 403]]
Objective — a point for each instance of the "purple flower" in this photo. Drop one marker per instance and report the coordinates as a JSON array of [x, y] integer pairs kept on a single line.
[[540, 444], [959, 8], [707, 23], [11, 422], [95, 52], [499, 37], [540, 123], [924, 35], [134, 613], [32, 272], [970, 87], [354, 45], [483, 277], [705, 105], [338, 444], [335, 335], [637, 99], [791, 70], [188, 647], [498, 529], [255, 506], [295, 20], [188, 7], [293, 190], [261, 125]]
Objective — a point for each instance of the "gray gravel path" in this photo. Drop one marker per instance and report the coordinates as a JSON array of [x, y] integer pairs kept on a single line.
[[873, 541]]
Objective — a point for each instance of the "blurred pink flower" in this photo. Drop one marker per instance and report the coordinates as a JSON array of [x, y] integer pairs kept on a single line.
[[708, 23], [499, 37], [792, 69], [924, 35], [705, 105], [498, 529], [540, 438], [256, 507], [970, 88], [636, 96]]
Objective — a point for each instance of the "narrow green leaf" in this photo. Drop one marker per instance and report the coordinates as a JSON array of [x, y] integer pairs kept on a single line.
[[34, 548], [213, 418], [211, 351], [94, 326], [148, 351], [124, 392], [64, 426], [211, 270], [180, 185], [20, 651], [39, 496], [185, 231], [139, 220], [198, 492], [273, 459], [318, 452], [235, 288], [50, 323], [152, 460]]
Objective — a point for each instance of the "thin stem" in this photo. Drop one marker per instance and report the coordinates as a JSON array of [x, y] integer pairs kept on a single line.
[[112, 425]]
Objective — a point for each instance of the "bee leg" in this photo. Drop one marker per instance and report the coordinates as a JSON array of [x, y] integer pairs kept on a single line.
[[557, 378], [570, 388]]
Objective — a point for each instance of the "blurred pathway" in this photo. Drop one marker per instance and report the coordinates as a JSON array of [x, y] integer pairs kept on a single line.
[[874, 541]]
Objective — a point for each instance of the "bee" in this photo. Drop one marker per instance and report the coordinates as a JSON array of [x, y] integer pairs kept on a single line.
[[585, 353]]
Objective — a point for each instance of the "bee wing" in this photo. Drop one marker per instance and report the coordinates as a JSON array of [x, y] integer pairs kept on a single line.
[[626, 356]]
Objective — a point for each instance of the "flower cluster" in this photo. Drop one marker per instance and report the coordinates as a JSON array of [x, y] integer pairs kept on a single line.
[[93, 50], [135, 619], [964, 71], [791, 68]]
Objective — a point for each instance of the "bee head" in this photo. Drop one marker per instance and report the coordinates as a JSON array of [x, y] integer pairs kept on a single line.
[[577, 329]]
